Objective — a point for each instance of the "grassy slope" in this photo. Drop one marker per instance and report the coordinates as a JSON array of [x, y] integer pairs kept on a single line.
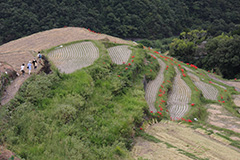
[[89, 114]]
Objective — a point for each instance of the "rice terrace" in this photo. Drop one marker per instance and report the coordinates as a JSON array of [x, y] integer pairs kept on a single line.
[[108, 98]]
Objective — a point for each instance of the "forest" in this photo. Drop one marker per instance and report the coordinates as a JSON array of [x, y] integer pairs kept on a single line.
[[139, 19], [220, 54]]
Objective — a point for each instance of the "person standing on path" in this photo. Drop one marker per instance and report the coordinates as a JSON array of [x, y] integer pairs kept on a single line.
[[22, 69], [39, 56], [29, 66], [34, 62]]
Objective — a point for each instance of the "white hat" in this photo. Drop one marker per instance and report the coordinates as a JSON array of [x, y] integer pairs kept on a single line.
[[29, 61]]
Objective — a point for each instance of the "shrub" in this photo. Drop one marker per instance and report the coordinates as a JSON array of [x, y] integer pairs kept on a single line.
[[65, 113]]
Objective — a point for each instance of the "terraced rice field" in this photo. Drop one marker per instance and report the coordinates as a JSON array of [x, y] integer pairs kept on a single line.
[[233, 84], [181, 142], [188, 69], [220, 117], [219, 85], [22, 50], [119, 54], [153, 87], [73, 57], [209, 92], [179, 97]]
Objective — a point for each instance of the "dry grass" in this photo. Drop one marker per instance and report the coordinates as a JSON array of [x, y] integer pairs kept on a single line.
[[220, 117], [184, 138], [235, 84], [236, 99], [155, 151]]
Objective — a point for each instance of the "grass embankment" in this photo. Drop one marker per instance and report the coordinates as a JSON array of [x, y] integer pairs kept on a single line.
[[162, 95], [89, 114], [164, 90]]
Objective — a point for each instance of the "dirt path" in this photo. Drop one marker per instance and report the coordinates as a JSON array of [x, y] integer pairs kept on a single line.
[[220, 117], [182, 142], [12, 89], [153, 87]]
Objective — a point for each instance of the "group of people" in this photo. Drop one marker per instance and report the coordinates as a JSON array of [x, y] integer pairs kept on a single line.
[[31, 64]]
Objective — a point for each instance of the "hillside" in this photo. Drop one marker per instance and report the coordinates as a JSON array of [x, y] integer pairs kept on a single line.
[[24, 49], [105, 98]]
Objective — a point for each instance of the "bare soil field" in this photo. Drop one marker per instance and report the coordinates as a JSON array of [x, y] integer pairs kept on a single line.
[[182, 142], [220, 117]]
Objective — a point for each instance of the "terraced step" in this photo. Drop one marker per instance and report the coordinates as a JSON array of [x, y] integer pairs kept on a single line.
[[219, 85], [220, 117], [209, 92], [180, 142], [188, 69], [119, 54], [73, 57], [153, 87], [179, 97], [224, 82]]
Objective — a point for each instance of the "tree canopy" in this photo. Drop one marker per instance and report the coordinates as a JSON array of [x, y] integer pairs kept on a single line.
[[220, 53], [154, 19]]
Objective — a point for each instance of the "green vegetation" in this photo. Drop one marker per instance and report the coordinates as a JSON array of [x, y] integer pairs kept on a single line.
[[161, 45], [191, 48], [154, 19], [4, 81], [227, 49], [89, 114], [169, 74]]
